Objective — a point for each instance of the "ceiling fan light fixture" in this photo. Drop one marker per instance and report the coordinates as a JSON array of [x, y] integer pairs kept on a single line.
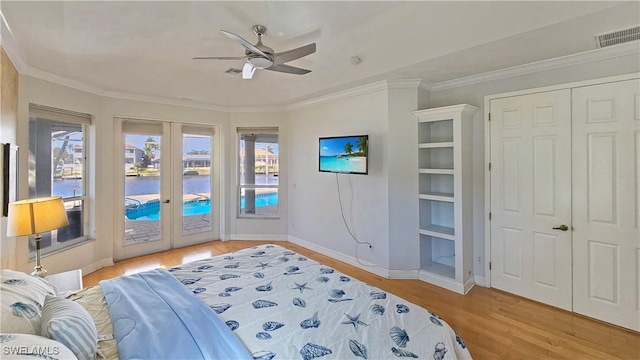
[[260, 62]]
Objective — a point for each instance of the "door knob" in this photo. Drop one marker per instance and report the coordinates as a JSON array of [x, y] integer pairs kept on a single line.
[[561, 227], [168, 201]]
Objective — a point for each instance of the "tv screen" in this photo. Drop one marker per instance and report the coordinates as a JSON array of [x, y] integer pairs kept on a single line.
[[344, 154]]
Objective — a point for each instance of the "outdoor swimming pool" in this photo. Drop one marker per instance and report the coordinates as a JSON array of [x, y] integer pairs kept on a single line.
[[262, 200], [151, 209]]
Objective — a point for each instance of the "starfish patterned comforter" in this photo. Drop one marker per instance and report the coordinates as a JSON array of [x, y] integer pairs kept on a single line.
[[283, 305]]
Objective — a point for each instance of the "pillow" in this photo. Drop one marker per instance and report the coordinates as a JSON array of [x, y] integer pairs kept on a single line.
[[21, 300], [27, 346], [69, 323]]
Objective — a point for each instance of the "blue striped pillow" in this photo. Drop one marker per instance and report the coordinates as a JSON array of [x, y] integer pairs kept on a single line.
[[69, 323]]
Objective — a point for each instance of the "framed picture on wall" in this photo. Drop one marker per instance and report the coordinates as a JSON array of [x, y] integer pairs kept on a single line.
[[9, 176]]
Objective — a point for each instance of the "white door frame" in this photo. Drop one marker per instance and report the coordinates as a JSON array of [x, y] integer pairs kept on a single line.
[[179, 129], [118, 187], [487, 149]]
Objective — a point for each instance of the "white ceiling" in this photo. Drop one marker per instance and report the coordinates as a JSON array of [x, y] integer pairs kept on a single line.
[[145, 48]]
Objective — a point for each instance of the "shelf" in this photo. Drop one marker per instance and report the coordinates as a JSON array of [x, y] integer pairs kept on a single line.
[[444, 158], [435, 131], [438, 231], [441, 269], [432, 145], [436, 184], [437, 171], [436, 196]]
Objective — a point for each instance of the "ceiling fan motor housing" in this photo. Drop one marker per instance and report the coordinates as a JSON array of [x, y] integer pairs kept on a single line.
[[258, 61]]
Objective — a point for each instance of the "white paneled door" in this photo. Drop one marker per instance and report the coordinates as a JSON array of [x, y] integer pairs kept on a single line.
[[531, 196], [606, 202]]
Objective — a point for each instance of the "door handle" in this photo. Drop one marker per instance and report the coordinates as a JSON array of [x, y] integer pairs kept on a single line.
[[168, 201], [561, 227]]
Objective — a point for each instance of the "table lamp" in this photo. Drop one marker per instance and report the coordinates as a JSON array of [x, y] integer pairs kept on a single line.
[[35, 216]]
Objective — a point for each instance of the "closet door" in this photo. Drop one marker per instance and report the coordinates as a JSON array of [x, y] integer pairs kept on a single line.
[[606, 202], [531, 196]]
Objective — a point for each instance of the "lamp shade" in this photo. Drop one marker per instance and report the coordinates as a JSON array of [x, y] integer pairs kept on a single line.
[[35, 216]]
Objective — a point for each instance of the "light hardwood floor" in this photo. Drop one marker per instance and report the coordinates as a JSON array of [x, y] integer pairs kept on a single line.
[[493, 324]]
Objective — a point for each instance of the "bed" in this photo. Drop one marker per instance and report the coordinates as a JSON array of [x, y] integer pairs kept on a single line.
[[264, 302]]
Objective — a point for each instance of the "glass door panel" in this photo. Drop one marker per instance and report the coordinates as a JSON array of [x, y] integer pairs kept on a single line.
[[144, 153], [196, 184], [194, 177], [142, 199]]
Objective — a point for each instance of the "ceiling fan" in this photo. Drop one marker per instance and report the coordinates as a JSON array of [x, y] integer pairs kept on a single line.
[[259, 56]]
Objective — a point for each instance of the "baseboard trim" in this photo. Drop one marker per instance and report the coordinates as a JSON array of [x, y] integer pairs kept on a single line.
[[469, 285], [403, 274], [480, 280], [445, 282], [257, 237], [361, 264], [97, 266]]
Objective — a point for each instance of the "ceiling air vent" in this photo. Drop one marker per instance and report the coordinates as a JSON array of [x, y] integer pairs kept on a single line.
[[618, 37], [233, 71]]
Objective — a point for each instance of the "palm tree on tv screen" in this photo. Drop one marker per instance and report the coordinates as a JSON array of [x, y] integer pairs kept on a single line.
[[362, 145], [348, 148]]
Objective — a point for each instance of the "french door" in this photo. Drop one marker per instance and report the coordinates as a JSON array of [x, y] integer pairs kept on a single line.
[[169, 175]]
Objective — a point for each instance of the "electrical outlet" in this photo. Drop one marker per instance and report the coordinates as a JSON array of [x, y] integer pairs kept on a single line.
[[479, 259]]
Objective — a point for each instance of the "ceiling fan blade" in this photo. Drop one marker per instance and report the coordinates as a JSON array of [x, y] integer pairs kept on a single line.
[[220, 58], [247, 71], [247, 45], [288, 69], [297, 53]]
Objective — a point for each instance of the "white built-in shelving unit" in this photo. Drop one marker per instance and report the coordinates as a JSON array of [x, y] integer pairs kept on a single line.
[[445, 196]]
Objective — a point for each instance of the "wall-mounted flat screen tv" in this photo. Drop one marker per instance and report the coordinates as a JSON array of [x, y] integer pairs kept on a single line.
[[344, 154]]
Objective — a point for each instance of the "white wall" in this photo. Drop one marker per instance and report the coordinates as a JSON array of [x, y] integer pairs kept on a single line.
[[402, 162], [314, 211], [474, 95]]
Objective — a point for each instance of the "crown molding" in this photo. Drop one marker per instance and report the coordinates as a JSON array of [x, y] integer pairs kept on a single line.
[[164, 101], [629, 48], [357, 91], [81, 86], [426, 85], [10, 47], [253, 109], [403, 84]]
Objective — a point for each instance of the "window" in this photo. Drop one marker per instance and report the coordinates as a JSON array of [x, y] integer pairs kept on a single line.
[[58, 167], [258, 175]]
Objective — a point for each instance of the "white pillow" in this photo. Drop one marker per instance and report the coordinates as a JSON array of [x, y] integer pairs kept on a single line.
[[21, 300], [68, 322], [27, 346]]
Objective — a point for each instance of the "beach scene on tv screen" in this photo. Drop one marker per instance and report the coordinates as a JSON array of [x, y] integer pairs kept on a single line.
[[344, 154]]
